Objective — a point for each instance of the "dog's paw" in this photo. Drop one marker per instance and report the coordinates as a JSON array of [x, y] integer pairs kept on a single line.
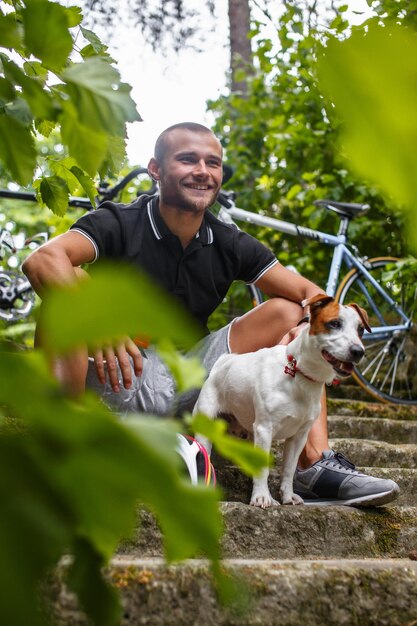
[[291, 498], [264, 501]]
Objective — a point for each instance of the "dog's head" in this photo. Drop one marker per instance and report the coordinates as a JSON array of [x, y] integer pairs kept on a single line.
[[337, 332]]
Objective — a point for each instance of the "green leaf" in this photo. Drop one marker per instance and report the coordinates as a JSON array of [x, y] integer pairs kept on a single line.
[[86, 183], [74, 15], [115, 157], [54, 193], [36, 70], [97, 596], [45, 127], [84, 313], [188, 371], [94, 40], [102, 102], [17, 149], [88, 51], [70, 479], [38, 99], [20, 111], [376, 101], [46, 32], [88, 147], [7, 91], [10, 36], [249, 458]]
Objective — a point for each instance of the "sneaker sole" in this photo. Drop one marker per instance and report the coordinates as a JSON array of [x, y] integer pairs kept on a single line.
[[370, 500]]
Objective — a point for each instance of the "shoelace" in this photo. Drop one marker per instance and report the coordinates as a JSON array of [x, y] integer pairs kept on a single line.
[[342, 462]]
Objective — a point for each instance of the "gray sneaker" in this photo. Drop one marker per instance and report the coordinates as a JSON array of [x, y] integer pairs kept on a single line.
[[334, 480]]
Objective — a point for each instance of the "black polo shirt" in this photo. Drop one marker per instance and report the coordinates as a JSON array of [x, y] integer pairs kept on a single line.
[[199, 275]]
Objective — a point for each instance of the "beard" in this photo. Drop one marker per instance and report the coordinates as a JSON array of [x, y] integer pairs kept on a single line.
[[187, 200]]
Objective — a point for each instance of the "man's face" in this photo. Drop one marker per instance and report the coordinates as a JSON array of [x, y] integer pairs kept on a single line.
[[191, 173]]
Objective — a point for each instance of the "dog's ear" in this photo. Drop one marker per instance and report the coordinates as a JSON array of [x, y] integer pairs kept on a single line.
[[362, 314], [318, 302]]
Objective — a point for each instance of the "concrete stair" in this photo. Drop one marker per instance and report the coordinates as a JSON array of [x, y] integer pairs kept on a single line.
[[317, 565]]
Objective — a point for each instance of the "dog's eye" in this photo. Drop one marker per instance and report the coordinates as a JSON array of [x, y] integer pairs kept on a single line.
[[334, 324], [361, 330]]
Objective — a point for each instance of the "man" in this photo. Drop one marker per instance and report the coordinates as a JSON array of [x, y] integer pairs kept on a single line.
[[194, 257]]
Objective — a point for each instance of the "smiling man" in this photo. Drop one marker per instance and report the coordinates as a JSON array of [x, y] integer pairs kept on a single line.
[[195, 257]]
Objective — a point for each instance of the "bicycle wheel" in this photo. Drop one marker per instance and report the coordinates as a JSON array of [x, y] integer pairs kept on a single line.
[[388, 370], [239, 299]]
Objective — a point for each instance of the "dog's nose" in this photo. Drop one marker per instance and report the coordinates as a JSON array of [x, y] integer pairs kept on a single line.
[[357, 352]]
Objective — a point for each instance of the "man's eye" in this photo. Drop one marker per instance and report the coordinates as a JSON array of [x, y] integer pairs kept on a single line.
[[334, 324]]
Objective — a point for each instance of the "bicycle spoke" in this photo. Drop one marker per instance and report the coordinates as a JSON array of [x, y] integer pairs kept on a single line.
[[389, 369]]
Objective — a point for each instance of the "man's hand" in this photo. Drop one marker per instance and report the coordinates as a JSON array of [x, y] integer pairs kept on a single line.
[[292, 334], [108, 357]]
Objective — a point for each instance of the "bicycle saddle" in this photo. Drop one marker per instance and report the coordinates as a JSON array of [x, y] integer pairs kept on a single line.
[[346, 209]]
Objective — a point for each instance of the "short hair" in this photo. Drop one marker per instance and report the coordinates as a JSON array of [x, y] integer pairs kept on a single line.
[[161, 144]]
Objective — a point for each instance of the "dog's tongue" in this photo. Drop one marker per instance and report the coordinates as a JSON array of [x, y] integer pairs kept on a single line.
[[342, 366]]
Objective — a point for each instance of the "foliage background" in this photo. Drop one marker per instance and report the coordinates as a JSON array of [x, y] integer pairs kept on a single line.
[[57, 454], [292, 152]]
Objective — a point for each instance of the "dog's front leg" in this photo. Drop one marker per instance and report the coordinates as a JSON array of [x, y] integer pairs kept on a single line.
[[292, 451], [262, 437], [207, 404]]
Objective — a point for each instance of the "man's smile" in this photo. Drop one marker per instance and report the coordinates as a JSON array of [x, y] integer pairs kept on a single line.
[[198, 187]]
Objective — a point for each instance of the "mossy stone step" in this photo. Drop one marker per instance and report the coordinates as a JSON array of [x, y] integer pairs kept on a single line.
[[298, 532], [361, 452], [237, 487], [359, 408], [277, 593], [380, 429], [377, 453]]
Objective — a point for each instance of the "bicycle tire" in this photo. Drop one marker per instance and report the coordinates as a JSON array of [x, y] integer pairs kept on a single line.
[[240, 299], [388, 371]]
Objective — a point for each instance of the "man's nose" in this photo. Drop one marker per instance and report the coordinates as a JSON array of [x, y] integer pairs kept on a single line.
[[200, 168]]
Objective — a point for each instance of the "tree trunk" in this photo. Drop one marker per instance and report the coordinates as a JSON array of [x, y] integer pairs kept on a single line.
[[240, 44]]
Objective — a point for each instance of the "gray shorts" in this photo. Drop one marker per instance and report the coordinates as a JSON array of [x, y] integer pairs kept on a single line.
[[154, 391]]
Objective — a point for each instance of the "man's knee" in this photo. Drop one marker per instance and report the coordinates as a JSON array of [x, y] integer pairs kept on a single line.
[[286, 312], [265, 325]]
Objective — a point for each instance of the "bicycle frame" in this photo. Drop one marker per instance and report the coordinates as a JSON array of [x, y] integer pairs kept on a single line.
[[342, 254]]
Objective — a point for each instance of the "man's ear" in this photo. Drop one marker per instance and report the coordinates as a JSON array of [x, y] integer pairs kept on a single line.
[[153, 169]]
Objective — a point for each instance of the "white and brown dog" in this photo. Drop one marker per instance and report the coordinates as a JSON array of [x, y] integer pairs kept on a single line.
[[275, 393]]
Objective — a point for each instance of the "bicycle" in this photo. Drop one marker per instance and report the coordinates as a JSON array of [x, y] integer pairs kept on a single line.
[[389, 370]]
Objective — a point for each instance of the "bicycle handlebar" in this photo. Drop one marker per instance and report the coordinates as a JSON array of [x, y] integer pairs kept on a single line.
[[103, 192]]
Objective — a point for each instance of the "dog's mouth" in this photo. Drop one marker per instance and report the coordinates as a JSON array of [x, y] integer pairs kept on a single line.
[[342, 368]]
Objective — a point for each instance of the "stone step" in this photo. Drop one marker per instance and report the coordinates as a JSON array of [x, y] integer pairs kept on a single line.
[[362, 452], [336, 406], [290, 532], [277, 593], [377, 453], [377, 428], [237, 487]]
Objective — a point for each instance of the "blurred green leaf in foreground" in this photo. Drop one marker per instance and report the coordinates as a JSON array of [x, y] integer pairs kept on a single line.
[[70, 477], [71, 474], [371, 78]]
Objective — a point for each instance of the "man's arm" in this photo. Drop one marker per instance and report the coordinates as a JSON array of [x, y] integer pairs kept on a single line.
[[57, 263], [284, 283]]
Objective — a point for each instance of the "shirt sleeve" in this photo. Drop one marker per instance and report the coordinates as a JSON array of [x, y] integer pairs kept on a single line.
[[104, 228], [256, 259]]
